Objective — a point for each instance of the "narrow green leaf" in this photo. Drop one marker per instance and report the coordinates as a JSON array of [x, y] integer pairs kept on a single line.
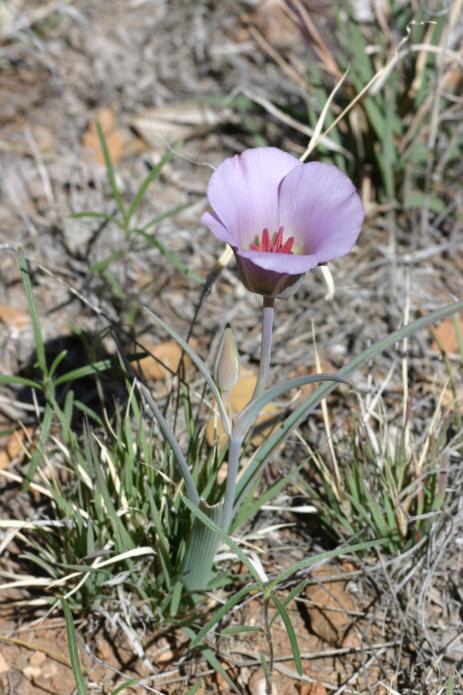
[[217, 666], [417, 199], [450, 685], [122, 537], [73, 651], [102, 265], [18, 381], [165, 216], [250, 507], [238, 629], [114, 284], [176, 598], [39, 451], [148, 180], [169, 436], [171, 256], [38, 340], [56, 363], [291, 596], [213, 661], [221, 613], [309, 562], [123, 686], [266, 669], [88, 370], [117, 195], [90, 214], [194, 689], [291, 634], [96, 368]]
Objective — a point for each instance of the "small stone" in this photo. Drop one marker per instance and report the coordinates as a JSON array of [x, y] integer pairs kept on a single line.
[[32, 672], [313, 689], [49, 669], [37, 658], [4, 665], [258, 686]]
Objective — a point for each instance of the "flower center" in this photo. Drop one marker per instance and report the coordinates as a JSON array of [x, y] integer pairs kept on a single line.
[[273, 245]]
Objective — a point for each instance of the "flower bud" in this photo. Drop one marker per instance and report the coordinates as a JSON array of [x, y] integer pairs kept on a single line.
[[227, 364]]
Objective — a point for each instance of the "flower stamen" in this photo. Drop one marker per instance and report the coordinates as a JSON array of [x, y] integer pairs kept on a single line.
[[275, 245]]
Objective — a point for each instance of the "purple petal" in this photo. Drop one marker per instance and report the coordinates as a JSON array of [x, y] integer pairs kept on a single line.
[[287, 263], [210, 220], [320, 207], [243, 192]]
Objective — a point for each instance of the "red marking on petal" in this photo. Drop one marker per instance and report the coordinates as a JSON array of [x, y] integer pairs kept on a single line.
[[265, 243], [287, 246], [276, 245], [277, 240]]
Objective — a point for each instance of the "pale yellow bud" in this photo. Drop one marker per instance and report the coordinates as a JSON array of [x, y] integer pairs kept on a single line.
[[227, 365]]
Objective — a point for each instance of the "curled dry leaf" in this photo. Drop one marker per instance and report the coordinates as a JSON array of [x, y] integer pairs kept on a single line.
[[15, 446], [17, 319], [446, 335], [164, 359], [115, 137], [179, 121]]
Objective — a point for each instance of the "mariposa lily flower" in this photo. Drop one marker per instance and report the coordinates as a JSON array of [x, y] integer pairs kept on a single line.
[[281, 218]]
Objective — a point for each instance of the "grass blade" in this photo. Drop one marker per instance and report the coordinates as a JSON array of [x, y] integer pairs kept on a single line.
[[314, 140], [213, 661], [194, 688], [117, 195], [126, 684], [171, 256], [152, 175], [91, 214], [105, 263], [309, 562], [6, 379], [38, 340], [39, 452], [221, 613], [291, 634], [164, 216], [73, 651]]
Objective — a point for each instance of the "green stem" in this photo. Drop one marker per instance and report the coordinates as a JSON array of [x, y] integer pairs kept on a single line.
[[266, 346], [268, 635], [234, 450], [236, 437]]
